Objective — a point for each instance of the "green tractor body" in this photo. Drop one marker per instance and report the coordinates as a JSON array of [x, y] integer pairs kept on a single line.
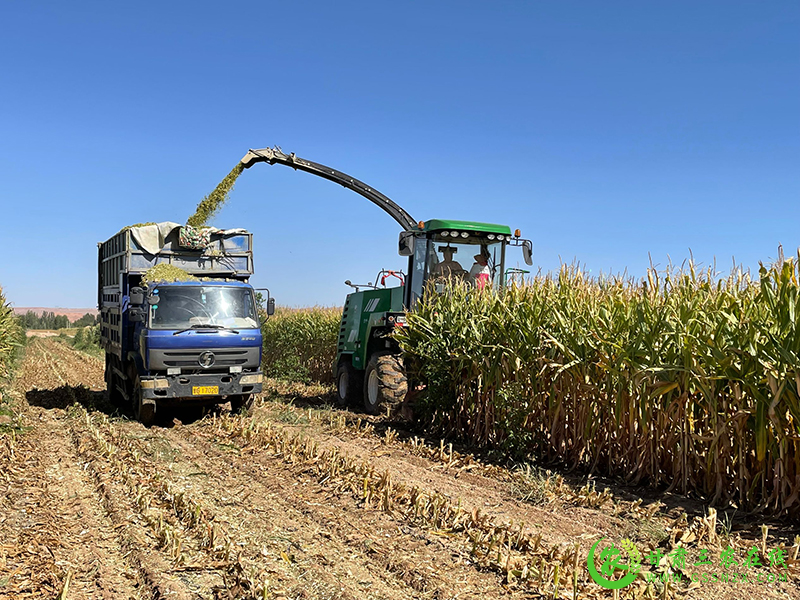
[[368, 362]]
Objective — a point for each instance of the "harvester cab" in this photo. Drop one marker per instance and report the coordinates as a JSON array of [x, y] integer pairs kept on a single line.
[[369, 364], [444, 249]]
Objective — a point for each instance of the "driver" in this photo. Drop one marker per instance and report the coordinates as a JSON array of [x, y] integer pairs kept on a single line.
[[448, 267]]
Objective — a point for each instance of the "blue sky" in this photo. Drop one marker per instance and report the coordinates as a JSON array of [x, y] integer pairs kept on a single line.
[[607, 131]]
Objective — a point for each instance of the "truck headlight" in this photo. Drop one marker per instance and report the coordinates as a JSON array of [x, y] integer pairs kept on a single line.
[[251, 379]]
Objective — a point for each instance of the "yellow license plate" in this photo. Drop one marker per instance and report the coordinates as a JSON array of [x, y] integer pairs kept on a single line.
[[205, 390]]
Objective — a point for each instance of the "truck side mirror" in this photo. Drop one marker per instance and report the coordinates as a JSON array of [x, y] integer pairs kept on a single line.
[[405, 246], [136, 315], [270, 310], [527, 252], [137, 296]]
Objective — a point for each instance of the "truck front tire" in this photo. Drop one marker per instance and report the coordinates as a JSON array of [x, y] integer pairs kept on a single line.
[[144, 410], [385, 383], [241, 403], [112, 381], [348, 383]]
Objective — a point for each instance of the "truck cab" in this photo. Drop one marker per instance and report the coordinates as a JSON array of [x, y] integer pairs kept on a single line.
[[193, 340]]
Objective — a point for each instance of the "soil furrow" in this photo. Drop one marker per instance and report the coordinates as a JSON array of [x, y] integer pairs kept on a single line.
[[233, 508], [51, 509], [417, 563]]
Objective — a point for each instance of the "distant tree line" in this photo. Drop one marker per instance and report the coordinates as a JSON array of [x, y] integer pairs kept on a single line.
[[50, 320], [87, 339], [86, 320]]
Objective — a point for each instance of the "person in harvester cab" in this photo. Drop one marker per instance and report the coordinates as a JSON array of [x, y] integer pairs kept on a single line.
[[448, 267], [480, 274]]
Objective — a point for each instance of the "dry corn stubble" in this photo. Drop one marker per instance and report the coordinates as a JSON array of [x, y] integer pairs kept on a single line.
[[519, 556], [529, 483], [186, 518], [642, 524]]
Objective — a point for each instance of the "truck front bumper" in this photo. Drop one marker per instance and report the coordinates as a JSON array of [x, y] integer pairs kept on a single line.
[[202, 389]]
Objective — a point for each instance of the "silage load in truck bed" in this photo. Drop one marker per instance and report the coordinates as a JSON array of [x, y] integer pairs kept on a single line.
[[166, 272], [138, 225]]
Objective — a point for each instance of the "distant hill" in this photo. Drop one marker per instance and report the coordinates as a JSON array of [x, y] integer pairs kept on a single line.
[[73, 314]]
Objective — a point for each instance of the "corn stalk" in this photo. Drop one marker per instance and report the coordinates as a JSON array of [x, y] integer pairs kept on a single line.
[[681, 379]]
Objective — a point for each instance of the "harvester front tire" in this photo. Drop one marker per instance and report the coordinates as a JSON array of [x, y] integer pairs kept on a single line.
[[145, 412], [348, 384], [241, 403], [385, 383]]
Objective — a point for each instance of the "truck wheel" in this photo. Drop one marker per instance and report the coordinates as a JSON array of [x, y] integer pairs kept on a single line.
[[114, 395], [144, 411], [348, 384], [241, 403], [385, 383]]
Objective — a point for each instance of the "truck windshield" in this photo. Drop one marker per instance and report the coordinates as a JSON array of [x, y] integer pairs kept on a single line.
[[183, 307]]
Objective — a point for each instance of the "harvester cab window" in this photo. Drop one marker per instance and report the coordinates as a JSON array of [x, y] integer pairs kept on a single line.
[[474, 259], [419, 269], [439, 259]]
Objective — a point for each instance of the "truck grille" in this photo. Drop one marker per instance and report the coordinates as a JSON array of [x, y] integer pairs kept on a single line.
[[190, 359]]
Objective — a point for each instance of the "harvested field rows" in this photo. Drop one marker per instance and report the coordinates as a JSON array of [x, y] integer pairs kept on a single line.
[[293, 502]]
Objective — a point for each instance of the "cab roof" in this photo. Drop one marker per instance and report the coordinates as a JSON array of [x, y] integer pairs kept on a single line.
[[435, 225]]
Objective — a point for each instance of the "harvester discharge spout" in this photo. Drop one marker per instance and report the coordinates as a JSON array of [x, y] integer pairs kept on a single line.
[[277, 156]]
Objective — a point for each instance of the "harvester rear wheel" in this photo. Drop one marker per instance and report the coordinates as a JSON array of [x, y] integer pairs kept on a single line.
[[348, 383], [385, 383]]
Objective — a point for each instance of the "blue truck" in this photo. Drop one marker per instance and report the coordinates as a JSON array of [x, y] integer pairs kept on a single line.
[[172, 343]]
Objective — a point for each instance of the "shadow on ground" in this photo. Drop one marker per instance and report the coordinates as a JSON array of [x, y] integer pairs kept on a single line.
[[97, 401], [67, 395]]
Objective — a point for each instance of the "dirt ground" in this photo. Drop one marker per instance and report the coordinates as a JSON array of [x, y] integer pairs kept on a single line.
[[301, 500]]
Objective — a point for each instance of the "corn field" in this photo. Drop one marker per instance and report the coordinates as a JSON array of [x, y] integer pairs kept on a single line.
[[682, 380], [10, 336], [300, 345]]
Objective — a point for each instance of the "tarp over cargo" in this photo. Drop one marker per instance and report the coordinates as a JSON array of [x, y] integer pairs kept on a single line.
[[152, 238]]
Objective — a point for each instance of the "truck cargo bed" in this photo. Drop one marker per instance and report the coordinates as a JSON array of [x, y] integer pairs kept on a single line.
[[122, 257]]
